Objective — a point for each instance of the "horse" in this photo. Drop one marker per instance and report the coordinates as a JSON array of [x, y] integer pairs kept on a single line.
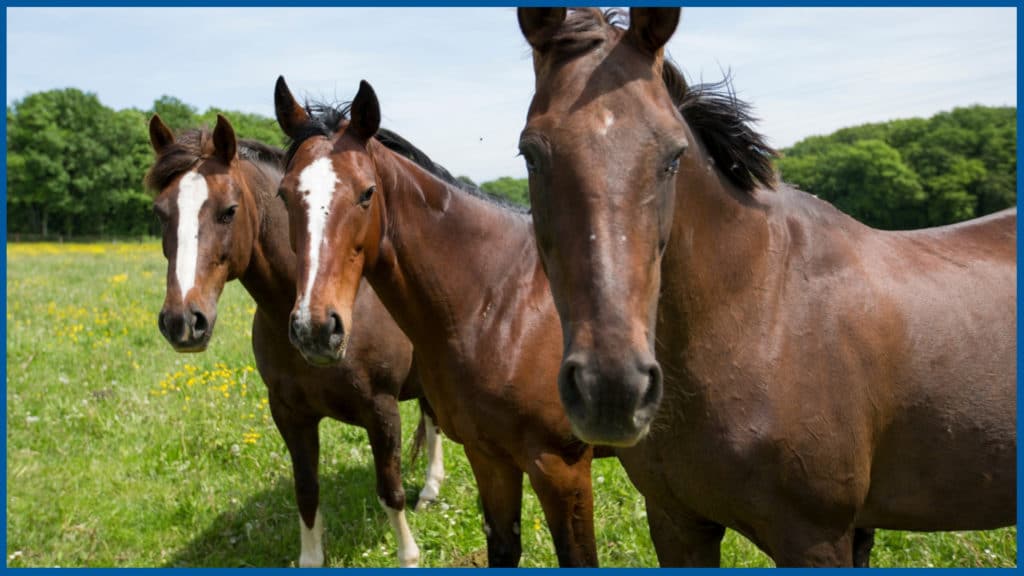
[[765, 362], [221, 221], [459, 273]]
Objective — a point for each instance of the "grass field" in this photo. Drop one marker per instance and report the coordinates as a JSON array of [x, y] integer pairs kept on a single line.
[[121, 452]]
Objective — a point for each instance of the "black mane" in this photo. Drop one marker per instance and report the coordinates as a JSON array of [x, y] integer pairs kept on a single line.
[[723, 122], [326, 119]]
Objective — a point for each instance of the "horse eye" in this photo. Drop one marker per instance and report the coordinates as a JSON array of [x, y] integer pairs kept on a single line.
[[673, 166], [366, 195], [228, 215]]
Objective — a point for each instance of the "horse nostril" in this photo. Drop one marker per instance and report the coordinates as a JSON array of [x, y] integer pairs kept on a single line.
[[570, 386], [293, 330], [650, 395], [161, 321], [199, 324], [334, 325]]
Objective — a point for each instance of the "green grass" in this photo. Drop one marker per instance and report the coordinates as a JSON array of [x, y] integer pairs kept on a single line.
[[121, 452]]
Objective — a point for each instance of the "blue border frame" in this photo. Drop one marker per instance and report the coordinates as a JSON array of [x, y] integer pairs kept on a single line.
[[491, 3]]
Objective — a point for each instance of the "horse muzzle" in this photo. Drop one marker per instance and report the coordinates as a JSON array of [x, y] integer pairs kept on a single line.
[[188, 330]]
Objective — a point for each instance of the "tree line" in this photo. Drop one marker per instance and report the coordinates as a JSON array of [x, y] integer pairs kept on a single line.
[[75, 166], [915, 172]]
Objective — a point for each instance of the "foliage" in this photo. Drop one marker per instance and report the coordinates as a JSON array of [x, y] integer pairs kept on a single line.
[[75, 166], [516, 190], [915, 172]]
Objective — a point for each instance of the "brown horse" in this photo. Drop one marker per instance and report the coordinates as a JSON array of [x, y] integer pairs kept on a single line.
[[220, 222], [821, 378], [460, 275]]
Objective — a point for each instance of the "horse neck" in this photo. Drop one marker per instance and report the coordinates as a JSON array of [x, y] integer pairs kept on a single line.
[[720, 245], [270, 275], [445, 255]]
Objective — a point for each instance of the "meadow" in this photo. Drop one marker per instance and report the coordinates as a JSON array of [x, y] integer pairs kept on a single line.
[[121, 452]]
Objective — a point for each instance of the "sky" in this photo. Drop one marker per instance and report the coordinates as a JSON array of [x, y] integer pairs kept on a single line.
[[457, 81]]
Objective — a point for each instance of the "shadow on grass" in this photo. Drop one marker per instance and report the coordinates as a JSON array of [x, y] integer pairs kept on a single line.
[[263, 531]]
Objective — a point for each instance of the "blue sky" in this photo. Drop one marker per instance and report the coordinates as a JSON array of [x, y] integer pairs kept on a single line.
[[457, 81]]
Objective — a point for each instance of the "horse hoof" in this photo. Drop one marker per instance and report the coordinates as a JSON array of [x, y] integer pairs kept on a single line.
[[423, 503]]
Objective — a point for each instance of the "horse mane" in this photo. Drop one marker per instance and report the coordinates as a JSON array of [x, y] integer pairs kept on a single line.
[[723, 122], [326, 119], [193, 146]]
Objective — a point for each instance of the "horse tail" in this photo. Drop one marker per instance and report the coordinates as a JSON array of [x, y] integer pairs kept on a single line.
[[419, 436]]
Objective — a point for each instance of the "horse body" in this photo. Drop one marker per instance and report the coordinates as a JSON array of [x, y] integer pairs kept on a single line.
[[820, 378], [363, 391], [461, 277], [840, 388]]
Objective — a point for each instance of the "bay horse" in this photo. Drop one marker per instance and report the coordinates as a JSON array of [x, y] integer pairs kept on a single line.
[[814, 378], [221, 221], [460, 275]]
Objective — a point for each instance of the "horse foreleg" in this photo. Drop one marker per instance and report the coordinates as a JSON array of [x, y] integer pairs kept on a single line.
[[385, 432], [500, 484], [303, 441], [801, 543], [684, 539], [435, 459], [566, 495], [863, 542]]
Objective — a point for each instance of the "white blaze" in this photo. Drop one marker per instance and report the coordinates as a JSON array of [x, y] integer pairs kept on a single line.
[[312, 543], [408, 551], [316, 184], [192, 194]]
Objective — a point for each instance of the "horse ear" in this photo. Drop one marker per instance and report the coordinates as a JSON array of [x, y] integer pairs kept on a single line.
[[225, 145], [290, 115], [650, 28], [365, 112], [539, 24], [160, 136]]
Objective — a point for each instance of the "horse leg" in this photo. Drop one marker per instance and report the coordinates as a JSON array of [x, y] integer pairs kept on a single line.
[[385, 432], [435, 458], [863, 542], [806, 544], [303, 441], [566, 495], [684, 539], [500, 484]]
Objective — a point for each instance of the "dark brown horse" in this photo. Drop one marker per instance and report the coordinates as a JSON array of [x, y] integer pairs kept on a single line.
[[820, 378], [460, 275], [221, 221]]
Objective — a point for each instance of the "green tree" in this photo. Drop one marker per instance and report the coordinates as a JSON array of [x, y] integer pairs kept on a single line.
[[516, 190], [175, 113], [950, 167]]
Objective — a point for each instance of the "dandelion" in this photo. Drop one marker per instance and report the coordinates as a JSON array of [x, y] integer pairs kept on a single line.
[[119, 278]]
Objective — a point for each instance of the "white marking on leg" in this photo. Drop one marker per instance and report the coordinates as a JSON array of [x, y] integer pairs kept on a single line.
[[192, 194], [435, 464], [312, 555], [408, 551], [316, 184]]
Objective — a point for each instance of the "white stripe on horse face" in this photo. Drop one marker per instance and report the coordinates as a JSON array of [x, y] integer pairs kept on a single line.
[[316, 183], [192, 194]]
